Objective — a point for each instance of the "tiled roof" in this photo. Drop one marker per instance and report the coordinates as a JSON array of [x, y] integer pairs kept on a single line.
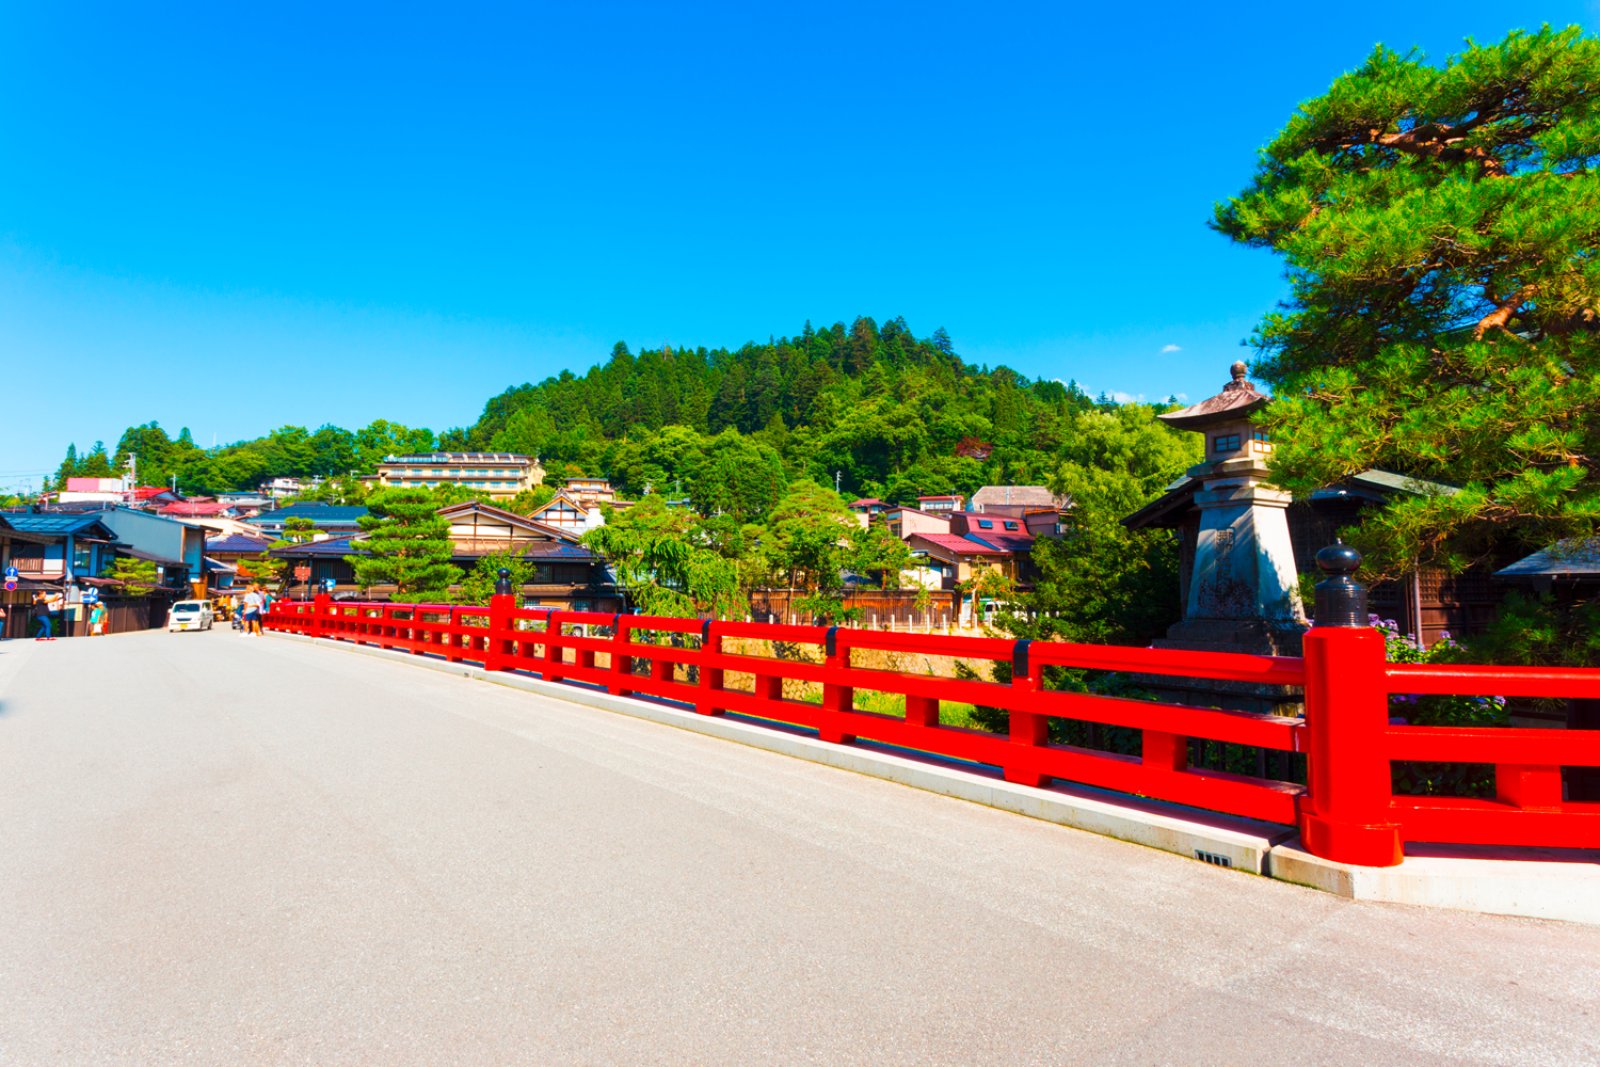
[[964, 545], [191, 508], [1006, 542], [1572, 558], [52, 523], [1031, 496], [236, 543], [559, 551], [321, 514], [459, 457], [332, 546], [865, 501]]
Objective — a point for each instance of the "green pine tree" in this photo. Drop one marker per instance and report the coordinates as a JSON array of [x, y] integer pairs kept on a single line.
[[408, 546], [1439, 227]]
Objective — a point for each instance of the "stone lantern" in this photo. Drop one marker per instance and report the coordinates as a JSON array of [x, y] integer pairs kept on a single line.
[[1242, 594]]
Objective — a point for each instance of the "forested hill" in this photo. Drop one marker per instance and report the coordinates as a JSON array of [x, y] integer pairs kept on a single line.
[[892, 414]]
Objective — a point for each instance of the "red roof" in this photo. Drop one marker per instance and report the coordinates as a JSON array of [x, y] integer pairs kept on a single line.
[[194, 508], [865, 501], [963, 545], [1009, 542]]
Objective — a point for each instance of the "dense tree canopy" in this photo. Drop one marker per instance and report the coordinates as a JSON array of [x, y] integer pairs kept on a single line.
[[290, 452], [667, 562], [1439, 224], [1101, 582], [885, 412], [875, 409]]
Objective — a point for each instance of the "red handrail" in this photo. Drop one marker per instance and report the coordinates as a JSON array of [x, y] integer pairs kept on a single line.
[[1346, 811]]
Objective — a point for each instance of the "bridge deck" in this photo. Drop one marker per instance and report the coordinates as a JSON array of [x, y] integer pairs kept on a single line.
[[219, 849]]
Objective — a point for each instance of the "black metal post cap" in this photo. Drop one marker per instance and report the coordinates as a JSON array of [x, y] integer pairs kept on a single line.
[[505, 572], [503, 586], [1341, 600], [1338, 560]]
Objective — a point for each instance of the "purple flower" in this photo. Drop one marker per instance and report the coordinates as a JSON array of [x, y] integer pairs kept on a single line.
[[1398, 720]]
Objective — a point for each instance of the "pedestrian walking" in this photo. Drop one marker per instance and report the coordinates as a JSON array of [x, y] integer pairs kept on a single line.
[[43, 629], [253, 601], [97, 620], [3, 619]]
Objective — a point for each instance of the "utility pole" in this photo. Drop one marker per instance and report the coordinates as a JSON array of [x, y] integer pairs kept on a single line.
[[836, 476]]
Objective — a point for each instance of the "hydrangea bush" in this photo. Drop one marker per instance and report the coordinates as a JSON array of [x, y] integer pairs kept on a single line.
[[1408, 709]]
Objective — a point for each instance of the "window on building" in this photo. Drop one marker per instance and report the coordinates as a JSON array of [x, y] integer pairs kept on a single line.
[[1011, 526], [985, 524], [1228, 442], [80, 558], [1259, 435]]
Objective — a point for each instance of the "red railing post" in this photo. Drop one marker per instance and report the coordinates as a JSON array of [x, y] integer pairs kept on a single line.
[[321, 613], [1164, 752], [662, 669], [710, 677], [497, 645], [553, 655], [922, 711], [1346, 814], [838, 699], [1029, 730], [621, 662], [1524, 786]]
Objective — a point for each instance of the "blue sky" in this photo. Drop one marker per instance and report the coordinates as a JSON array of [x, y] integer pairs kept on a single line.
[[232, 219]]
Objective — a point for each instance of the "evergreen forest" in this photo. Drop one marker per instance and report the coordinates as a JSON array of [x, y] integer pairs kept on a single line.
[[873, 409]]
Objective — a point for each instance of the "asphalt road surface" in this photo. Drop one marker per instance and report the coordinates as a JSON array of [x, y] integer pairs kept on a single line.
[[226, 850]]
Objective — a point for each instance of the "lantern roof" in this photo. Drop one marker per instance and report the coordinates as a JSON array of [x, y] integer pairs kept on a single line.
[[1237, 399]]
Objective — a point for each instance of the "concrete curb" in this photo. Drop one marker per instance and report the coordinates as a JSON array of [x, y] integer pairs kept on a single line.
[[1533, 883], [1537, 883]]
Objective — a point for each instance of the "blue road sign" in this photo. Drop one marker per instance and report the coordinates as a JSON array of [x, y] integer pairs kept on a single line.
[[11, 572], [91, 595], [11, 585]]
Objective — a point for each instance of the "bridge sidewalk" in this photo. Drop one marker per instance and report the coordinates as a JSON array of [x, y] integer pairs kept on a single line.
[[1537, 883]]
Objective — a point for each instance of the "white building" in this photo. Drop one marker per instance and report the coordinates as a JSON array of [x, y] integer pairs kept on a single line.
[[496, 475]]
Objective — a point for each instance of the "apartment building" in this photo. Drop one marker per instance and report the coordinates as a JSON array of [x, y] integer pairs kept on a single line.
[[496, 475]]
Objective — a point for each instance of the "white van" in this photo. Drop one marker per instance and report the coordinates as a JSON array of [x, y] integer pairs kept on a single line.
[[190, 615]]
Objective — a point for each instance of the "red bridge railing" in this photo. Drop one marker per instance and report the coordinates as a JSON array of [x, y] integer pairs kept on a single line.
[[1346, 811]]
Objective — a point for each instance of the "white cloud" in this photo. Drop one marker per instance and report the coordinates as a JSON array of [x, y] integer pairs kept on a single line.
[[1127, 398], [1171, 348]]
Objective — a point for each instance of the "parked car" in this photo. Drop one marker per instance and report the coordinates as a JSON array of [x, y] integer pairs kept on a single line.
[[190, 615]]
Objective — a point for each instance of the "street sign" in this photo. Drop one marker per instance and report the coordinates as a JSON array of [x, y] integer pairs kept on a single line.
[[302, 572], [11, 572], [91, 595], [11, 585]]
